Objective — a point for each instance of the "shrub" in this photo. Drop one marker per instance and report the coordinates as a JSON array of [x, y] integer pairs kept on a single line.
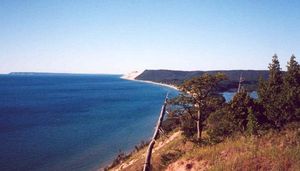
[[219, 126], [169, 157]]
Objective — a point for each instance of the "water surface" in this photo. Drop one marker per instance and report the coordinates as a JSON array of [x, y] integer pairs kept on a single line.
[[73, 122]]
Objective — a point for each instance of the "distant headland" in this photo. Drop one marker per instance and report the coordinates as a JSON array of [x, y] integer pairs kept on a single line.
[[175, 77]]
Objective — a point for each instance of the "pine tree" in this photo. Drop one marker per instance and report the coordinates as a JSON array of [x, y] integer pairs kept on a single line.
[[271, 94], [262, 88], [275, 75], [292, 91], [198, 99], [252, 122], [238, 110]]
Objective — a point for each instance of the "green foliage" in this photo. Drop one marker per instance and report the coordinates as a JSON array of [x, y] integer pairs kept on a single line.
[[237, 116], [170, 157], [239, 109], [188, 125], [280, 94], [170, 124], [252, 122], [275, 75], [178, 77], [183, 112], [292, 91], [219, 125], [278, 104], [271, 94], [198, 99]]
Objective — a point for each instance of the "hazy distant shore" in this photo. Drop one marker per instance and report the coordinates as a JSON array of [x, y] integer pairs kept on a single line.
[[132, 78]]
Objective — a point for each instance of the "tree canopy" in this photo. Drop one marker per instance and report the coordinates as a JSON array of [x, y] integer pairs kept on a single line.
[[200, 106]]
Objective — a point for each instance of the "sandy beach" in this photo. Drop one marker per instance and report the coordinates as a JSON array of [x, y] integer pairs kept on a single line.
[[132, 76]]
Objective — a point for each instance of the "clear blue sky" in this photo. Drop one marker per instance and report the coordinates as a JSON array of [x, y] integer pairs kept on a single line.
[[120, 36]]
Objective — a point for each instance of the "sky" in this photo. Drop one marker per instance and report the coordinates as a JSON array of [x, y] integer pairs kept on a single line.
[[119, 36]]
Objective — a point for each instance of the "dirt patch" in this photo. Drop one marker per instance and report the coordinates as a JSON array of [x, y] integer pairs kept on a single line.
[[189, 165], [163, 143], [127, 164]]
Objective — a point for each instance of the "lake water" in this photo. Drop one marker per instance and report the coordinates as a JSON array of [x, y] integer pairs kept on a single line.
[[228, 95], [73, 122]]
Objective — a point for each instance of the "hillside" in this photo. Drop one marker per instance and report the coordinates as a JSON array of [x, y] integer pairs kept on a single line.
[[251, 77], [271, 151]]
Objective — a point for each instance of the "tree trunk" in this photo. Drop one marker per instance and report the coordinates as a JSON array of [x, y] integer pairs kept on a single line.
[[147, 165], [199, 126]]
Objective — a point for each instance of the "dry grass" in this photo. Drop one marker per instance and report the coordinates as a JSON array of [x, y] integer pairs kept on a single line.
[[166, 144], [273, 151]]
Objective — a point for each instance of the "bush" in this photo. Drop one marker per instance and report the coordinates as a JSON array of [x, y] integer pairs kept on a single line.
[[252, 124], [169, 157], [188, 125], [219, 126], [170, 124]]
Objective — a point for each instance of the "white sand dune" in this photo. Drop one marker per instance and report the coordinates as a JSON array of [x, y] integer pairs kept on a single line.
[[132, 76]]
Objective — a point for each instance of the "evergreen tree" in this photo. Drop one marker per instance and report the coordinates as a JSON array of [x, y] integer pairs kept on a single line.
[[239, 108], [292, 91], [220, 125], [252, 122], [275, 75], [271, 94], [262, 90]]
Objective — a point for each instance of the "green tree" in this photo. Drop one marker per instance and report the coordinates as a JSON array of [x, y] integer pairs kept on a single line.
[[198, 99], [239, 109], [219, 124], [292, 91], [252, 122], [271, 94], [239, 115]]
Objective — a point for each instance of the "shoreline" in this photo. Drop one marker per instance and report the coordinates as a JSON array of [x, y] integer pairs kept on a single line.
[[143, 81], [151, 82]]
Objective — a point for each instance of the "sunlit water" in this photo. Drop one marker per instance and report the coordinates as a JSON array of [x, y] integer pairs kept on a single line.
[[73, 122]]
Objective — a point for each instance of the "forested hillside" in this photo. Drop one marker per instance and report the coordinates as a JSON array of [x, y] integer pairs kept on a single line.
[[250, 77]]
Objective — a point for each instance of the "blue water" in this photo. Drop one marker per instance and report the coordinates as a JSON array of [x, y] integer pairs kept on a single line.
[[73, 122], [229, 95]]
